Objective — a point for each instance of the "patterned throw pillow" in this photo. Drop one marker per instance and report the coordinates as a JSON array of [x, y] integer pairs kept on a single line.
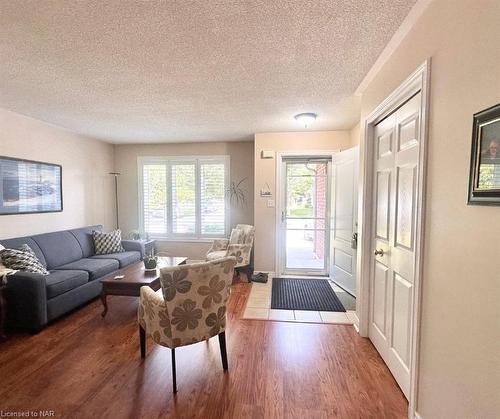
[[22, 259], [106, 243]]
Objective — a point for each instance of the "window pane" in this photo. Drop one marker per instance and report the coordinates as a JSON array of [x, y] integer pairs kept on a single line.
[[155, 198], [212, 198], [183, 198]]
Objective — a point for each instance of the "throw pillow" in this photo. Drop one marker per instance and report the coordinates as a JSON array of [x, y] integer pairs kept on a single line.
[[106, 243], [22, 259]]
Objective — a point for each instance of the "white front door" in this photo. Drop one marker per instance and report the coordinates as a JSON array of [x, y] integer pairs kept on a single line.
[[305, 209], [343, 220], [395, 174]]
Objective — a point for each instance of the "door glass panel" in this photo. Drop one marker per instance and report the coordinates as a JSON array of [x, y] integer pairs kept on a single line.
[[305, 249], [305, 215], [305, 223]]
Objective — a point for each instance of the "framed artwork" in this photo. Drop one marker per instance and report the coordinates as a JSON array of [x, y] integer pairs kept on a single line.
[[484, 178], [28, 187]]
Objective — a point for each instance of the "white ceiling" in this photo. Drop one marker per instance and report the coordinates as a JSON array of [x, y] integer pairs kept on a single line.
[[173, 71]]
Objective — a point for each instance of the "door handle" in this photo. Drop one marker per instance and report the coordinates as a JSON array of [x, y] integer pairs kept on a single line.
[[354, 241], [379, 252], [283, 216]]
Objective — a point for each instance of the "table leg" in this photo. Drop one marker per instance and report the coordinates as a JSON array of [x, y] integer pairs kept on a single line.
[[104, 301]]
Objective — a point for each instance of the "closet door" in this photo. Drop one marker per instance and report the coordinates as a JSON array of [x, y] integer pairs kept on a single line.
[[393, 240]]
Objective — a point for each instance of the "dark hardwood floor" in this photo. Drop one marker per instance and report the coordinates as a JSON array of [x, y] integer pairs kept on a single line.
[[84, 366]]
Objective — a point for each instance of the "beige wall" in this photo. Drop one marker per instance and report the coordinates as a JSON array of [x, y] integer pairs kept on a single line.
[[265, 172], [460, 352], [88, 195], [242, 162], [354, 135]]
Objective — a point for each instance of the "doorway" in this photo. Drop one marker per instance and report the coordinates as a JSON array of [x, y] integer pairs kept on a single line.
[[304, 211]]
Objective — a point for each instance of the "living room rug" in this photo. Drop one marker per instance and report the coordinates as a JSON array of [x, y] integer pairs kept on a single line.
[[304, 294]]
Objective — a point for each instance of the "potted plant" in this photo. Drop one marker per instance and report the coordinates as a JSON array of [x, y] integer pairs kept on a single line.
[[150, 260], [135, 235]]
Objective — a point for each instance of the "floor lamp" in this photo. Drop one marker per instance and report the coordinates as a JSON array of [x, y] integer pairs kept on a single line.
[[116, 174]]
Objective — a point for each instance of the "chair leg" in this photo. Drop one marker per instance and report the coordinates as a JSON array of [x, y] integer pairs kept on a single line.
[[142, 338], [223, 353], [248, 272], [174, 377]]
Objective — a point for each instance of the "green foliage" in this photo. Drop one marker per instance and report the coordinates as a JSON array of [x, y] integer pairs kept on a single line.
[[184, 183], [301, 212], [156, 179]]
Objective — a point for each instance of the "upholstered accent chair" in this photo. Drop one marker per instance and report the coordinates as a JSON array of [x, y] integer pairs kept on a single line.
[[191, 307], [239, 245]]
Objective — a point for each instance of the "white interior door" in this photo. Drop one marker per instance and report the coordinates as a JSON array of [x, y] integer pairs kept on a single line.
[[344, 218], [395, 174]]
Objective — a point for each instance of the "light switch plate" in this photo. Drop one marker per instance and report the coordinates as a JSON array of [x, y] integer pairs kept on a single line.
[[270, 203]]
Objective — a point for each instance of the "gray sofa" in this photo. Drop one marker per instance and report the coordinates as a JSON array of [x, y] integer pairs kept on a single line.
[[33, 300]]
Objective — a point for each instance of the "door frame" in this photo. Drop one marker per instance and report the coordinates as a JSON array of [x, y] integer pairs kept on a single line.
[[418, 81], [280, 155]]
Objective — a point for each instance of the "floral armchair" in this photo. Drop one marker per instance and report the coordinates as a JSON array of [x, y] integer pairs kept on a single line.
[[239, 245], [191, 308]]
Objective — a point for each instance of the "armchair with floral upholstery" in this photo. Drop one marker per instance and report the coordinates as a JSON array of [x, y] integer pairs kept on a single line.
[[239, 245], [190, 309]]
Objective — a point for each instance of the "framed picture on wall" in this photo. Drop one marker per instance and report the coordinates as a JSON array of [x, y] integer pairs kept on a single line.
[[484, 178], [28, 187]]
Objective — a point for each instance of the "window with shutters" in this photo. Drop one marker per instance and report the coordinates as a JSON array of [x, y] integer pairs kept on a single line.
[[183, 197]]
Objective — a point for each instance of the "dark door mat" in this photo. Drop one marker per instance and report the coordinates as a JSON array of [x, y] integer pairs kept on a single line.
[[304, 294]]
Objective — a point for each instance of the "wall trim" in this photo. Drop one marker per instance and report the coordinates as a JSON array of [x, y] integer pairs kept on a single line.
[[418, 81], [409, 21]]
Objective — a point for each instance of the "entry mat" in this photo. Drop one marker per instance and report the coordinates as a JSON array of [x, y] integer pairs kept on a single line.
[[304, 294]]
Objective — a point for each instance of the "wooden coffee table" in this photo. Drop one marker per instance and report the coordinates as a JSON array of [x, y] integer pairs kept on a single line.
[[135, 277]]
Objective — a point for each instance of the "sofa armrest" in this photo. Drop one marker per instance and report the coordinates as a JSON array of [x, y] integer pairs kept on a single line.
[[134, 245], [153, 316], [26, 298], [218, 244], [241, 252]]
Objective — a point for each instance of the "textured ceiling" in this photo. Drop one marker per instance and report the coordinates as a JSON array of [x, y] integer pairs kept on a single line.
[[154, 71]]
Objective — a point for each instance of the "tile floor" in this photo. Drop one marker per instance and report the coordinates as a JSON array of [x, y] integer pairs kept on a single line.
[[259, 308]]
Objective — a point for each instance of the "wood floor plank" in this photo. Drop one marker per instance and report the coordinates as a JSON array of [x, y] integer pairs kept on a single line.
[[83, 366]]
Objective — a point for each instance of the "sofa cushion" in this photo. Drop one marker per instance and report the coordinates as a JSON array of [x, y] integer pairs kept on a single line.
[[124, 258], [18, 242], [84, 237], [96, 268], [59, 282], [217, 254], [59, 248]]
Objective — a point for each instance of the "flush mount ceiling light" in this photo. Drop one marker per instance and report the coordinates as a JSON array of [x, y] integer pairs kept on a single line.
[[306, 118]]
